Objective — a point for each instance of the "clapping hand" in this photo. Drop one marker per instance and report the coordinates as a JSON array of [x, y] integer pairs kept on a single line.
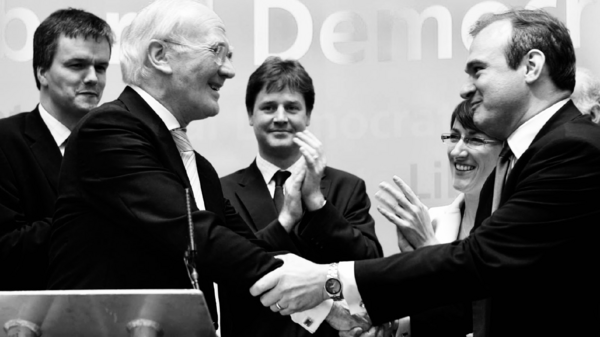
[[314, 156], [291, 212], [408, 213]]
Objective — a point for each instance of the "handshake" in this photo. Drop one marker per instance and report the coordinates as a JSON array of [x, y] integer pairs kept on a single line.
[[358, 325]]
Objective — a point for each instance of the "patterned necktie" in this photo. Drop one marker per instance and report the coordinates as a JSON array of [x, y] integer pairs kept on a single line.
[[502, 169], [279, 177], [188, 156]]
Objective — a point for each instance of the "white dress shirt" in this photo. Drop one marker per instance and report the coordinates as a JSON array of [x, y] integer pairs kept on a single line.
[[59, 132], [519, 141]]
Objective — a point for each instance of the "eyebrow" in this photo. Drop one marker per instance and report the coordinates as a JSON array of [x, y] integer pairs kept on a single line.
[[473, 63]]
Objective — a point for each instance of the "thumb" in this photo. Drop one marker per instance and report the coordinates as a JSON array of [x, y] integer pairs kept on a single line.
[[266, 283]]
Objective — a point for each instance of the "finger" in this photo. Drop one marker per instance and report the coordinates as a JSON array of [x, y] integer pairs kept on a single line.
[[266, 283], [295, 183], [354, 332], [392, 217], [408, 192], [309, 138], [399, 197]]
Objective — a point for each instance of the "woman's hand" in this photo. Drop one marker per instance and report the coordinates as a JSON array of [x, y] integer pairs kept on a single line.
[[408, 213]]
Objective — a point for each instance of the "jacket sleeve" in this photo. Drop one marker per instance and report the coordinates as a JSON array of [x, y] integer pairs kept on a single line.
[[23, 242], [124, 170]]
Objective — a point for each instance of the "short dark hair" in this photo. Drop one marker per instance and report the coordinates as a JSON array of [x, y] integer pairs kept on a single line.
[[71, 23], [275, 75], [536, 29], [464, 115]]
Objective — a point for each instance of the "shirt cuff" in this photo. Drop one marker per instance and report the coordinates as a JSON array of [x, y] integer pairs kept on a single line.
[[311, 319], [349, 287]]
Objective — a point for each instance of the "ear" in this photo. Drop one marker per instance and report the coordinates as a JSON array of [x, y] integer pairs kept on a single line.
[[41, 76], [158, 57], [308, 114], [534, 65], [595, 112]]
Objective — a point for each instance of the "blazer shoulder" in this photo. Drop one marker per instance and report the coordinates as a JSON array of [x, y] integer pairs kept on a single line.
[[338, 174], [233, 178], [12, 126]]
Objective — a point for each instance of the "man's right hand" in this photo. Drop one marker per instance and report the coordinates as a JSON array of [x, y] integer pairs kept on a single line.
[[291, 212]]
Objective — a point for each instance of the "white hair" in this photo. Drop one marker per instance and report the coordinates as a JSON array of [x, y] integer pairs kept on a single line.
[[586, 94], [161, 20]]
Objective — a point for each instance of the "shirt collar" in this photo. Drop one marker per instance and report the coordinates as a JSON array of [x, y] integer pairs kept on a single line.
[[57, 129], [267, 169], [522, 137], [165, 115]]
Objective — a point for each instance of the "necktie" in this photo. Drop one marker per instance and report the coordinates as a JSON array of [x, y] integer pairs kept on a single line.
[[502, 169], [186, 151], [279, 177], [481, 308]]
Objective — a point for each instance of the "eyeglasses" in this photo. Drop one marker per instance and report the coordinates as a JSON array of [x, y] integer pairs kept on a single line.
[[472, 142], [221, 52]]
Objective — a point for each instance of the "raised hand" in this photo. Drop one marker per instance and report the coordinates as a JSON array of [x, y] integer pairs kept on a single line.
[[296, 286], [314, 156], [408, 213], [291, 212]]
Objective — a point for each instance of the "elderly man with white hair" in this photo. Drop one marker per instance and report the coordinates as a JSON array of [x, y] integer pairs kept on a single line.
[[121, 220]]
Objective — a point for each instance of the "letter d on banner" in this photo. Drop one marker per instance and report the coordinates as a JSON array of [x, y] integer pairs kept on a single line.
[[261, 29], [30, 20]]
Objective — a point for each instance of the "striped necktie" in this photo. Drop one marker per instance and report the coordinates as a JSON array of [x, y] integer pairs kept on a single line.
[[188, 156]]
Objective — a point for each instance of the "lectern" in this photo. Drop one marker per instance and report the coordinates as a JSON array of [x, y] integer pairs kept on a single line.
[[103, 313]]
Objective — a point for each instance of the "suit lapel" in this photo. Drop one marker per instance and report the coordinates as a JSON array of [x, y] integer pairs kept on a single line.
[[255, 197], [567, 113], [43, 146]]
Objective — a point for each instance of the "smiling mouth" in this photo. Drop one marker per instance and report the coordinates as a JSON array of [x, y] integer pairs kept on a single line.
[[464, 168]]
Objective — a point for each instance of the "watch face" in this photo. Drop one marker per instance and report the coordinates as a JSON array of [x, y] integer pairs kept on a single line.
[[333, 286]]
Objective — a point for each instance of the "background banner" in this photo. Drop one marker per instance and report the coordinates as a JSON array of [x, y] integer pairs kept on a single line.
[[387, 76]]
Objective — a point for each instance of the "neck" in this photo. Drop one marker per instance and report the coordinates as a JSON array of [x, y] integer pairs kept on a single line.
[[468, 219], [542, 99], [159, 92], [283, 161], [68, 119]]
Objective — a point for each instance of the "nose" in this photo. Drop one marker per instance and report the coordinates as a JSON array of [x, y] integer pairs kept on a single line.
[[280, 115], [91, 76], [227, 70], [459, 150], [468, 90]]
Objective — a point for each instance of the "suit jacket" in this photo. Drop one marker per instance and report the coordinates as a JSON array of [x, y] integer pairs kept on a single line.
[[121, 218], [341, 230], [535, 258], [29, 165]]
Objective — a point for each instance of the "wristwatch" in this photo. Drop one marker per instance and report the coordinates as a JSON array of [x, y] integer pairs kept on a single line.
[[333, 286]]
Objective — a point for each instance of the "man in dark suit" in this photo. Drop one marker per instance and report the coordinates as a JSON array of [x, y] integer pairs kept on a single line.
[[533, 260], [279, 100], [71, 51], [121, 219]]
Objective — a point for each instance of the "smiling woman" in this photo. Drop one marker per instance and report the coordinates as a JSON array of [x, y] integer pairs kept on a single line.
[[472, 155]]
